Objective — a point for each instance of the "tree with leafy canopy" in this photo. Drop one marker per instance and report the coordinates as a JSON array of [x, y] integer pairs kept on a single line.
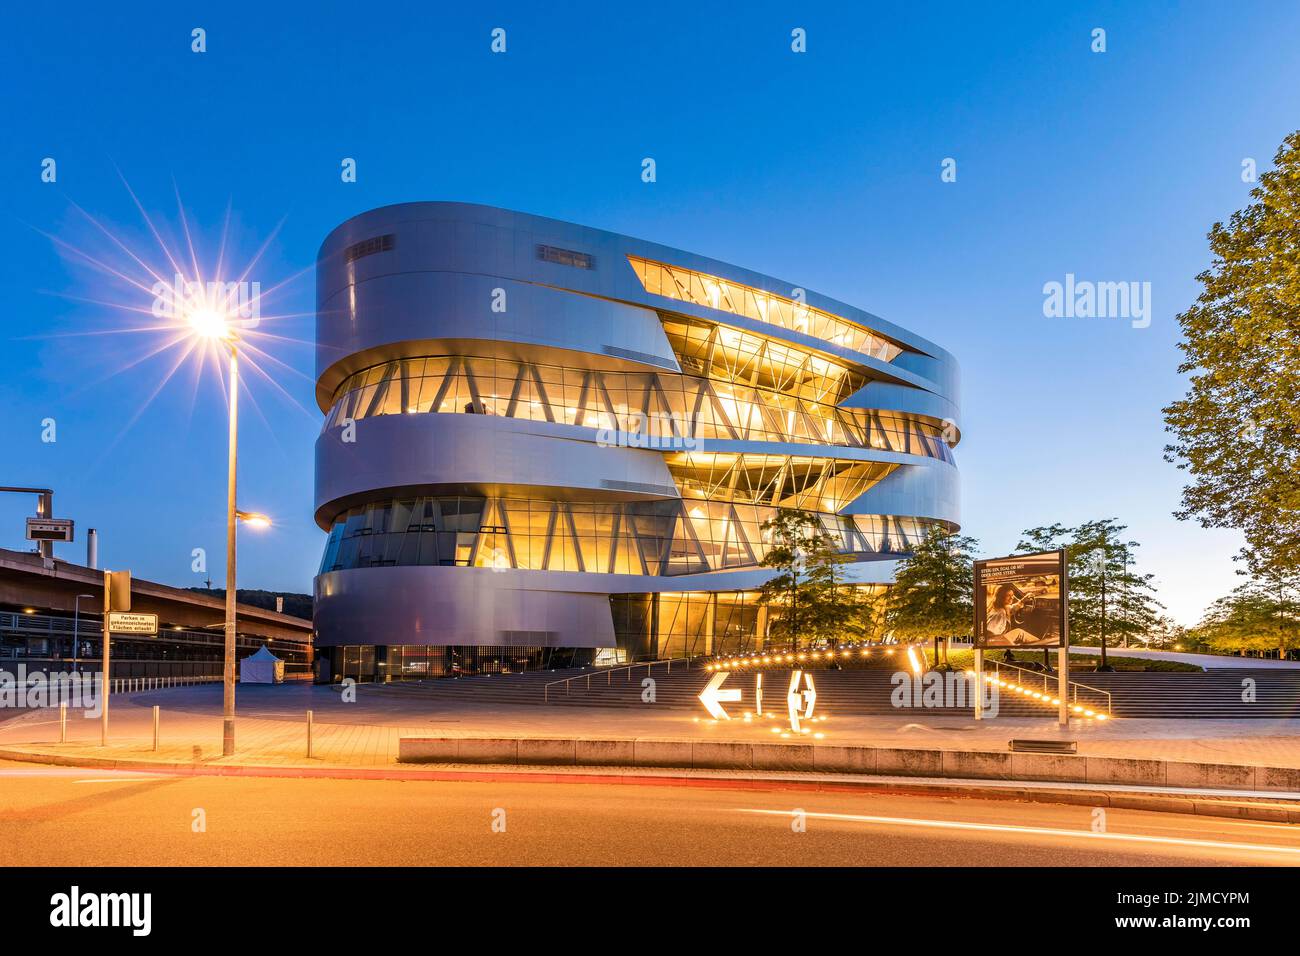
[[932, 593], [1257, 616], [1107, 598], [868, 620], [809, 592], [1167, 635], [1237, 431]]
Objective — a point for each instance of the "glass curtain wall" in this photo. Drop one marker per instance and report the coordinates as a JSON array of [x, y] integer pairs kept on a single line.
[[637, 537], [669, 408], [700, 288]]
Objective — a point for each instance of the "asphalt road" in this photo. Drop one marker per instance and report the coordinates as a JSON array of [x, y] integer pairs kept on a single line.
[[55, 816]]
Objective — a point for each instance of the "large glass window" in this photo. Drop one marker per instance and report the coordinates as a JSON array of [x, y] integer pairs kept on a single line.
[[699, 288], [783, 481], [690, 623], [639, 537], [789, 402]]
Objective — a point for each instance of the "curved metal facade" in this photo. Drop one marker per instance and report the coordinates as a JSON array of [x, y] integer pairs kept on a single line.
[[540, 435]]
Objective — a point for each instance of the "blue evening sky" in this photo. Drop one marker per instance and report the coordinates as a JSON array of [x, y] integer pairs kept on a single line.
[[821, 168]]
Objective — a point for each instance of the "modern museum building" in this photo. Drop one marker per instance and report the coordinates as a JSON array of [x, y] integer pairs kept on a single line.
[[547, 445]]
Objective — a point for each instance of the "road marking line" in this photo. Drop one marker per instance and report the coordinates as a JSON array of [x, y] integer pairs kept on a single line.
[[1030, 831]]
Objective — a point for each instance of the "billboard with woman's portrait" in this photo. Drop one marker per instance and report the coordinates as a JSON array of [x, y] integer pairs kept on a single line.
[[1021, 601]]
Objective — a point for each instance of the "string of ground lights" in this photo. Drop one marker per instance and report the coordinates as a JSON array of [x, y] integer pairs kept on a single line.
[[713, 694], [1039, 696], [844, 652]]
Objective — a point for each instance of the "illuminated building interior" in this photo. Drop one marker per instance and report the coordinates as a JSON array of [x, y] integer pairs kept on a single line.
[[659, 405]]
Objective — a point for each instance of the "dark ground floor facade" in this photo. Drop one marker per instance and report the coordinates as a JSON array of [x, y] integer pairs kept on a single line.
[[653, 626]]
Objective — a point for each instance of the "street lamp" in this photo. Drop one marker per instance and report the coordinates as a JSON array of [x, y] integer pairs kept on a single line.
[[254, 519], [210, 322]]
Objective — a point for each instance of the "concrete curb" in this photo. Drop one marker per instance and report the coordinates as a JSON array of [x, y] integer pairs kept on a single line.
[[1195, 803], [829, 758]]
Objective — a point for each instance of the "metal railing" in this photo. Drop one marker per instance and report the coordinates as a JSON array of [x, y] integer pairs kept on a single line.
[[63, 690], [608, 674], [1048, 681], [133, 685]]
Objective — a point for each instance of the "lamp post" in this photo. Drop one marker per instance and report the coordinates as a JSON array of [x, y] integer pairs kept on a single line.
[[232, 518], [254, 519], [76, 632], [212, 323]]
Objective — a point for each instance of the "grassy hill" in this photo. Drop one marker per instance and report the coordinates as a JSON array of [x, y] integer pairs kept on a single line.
[[295, 605]]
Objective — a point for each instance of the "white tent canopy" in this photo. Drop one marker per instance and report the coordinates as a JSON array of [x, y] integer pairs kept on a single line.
[[261, 668]]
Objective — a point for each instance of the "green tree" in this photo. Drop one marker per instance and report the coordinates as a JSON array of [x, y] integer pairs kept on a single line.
[[809, 592], [931, 597], [1257, 616], [1108, 599], [1168, 635], [869, 618], [1237, 431]]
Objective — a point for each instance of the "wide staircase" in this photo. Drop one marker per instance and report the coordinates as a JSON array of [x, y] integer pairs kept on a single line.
[[1222, 693], [1214, 694]]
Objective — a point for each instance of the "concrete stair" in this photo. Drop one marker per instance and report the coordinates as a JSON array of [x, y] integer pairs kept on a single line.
[[1214, 694]]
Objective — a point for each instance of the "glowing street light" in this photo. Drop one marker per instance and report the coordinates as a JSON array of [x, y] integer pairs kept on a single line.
[[254, 519], [199, 315], [208, 320]]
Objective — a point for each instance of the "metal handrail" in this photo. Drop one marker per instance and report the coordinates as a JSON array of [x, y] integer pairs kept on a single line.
[[1074, 684], [609, 674], [132, 685]]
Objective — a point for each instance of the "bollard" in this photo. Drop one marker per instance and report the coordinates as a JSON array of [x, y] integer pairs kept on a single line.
[[155, 726], [309, 731], [63, 723]]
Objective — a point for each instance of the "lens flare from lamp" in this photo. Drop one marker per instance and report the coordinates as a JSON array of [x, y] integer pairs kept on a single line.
[[254, 519], [208, 322]]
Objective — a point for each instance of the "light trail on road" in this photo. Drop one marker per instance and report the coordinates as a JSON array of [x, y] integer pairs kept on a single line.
[[66, 816], [1026, 831]]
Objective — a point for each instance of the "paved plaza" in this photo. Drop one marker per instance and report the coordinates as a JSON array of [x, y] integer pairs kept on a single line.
[[271, 729]]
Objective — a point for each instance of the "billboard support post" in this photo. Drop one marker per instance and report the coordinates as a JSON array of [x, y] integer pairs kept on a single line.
[[1063, 654], [1063, 685], [979, 684]]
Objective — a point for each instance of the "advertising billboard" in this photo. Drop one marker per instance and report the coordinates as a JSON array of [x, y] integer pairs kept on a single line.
[[1022, 601]]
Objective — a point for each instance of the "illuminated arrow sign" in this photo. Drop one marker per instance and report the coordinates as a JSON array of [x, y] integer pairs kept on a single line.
[[800, 702], [713, 696]]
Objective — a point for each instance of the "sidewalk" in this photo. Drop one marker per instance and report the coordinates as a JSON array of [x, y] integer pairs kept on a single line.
[[271, 730], [1207, 661]]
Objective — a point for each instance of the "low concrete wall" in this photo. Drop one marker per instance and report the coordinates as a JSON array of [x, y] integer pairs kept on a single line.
[[836, 758]]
